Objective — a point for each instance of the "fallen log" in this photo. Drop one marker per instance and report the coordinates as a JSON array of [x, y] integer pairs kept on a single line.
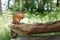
[[37, 28]]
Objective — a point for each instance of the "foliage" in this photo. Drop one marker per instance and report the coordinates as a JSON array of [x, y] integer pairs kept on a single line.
[[31, 6], [5, 20], [31, 17]]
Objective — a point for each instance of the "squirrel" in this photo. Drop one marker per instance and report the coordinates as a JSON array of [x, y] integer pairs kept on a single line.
[[17, 17]]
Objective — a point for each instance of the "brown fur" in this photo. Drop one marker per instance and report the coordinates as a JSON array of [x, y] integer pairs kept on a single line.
[[17, 17]]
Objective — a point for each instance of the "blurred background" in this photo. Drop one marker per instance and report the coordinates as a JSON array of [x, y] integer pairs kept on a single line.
[[36, 11]]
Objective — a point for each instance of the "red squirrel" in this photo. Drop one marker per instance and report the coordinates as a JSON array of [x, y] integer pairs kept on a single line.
[[17, 17]]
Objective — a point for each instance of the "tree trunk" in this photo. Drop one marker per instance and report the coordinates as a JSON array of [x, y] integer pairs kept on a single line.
[[20, 5], [41, 6], [0, 7], [8, 3], [57, 3]]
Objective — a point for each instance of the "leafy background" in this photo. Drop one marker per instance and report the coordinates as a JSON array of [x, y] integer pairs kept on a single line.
[[30, 17]]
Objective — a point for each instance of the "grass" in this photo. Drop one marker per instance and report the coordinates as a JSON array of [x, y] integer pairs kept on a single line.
[[5, 20]]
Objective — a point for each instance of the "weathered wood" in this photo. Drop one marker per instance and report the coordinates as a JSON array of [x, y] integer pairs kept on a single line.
[[36, 28]]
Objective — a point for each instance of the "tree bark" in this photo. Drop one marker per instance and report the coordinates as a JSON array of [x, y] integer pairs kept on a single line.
[[20, 5], [8, 3], [0, 7], [36, 28], [57, 3]]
